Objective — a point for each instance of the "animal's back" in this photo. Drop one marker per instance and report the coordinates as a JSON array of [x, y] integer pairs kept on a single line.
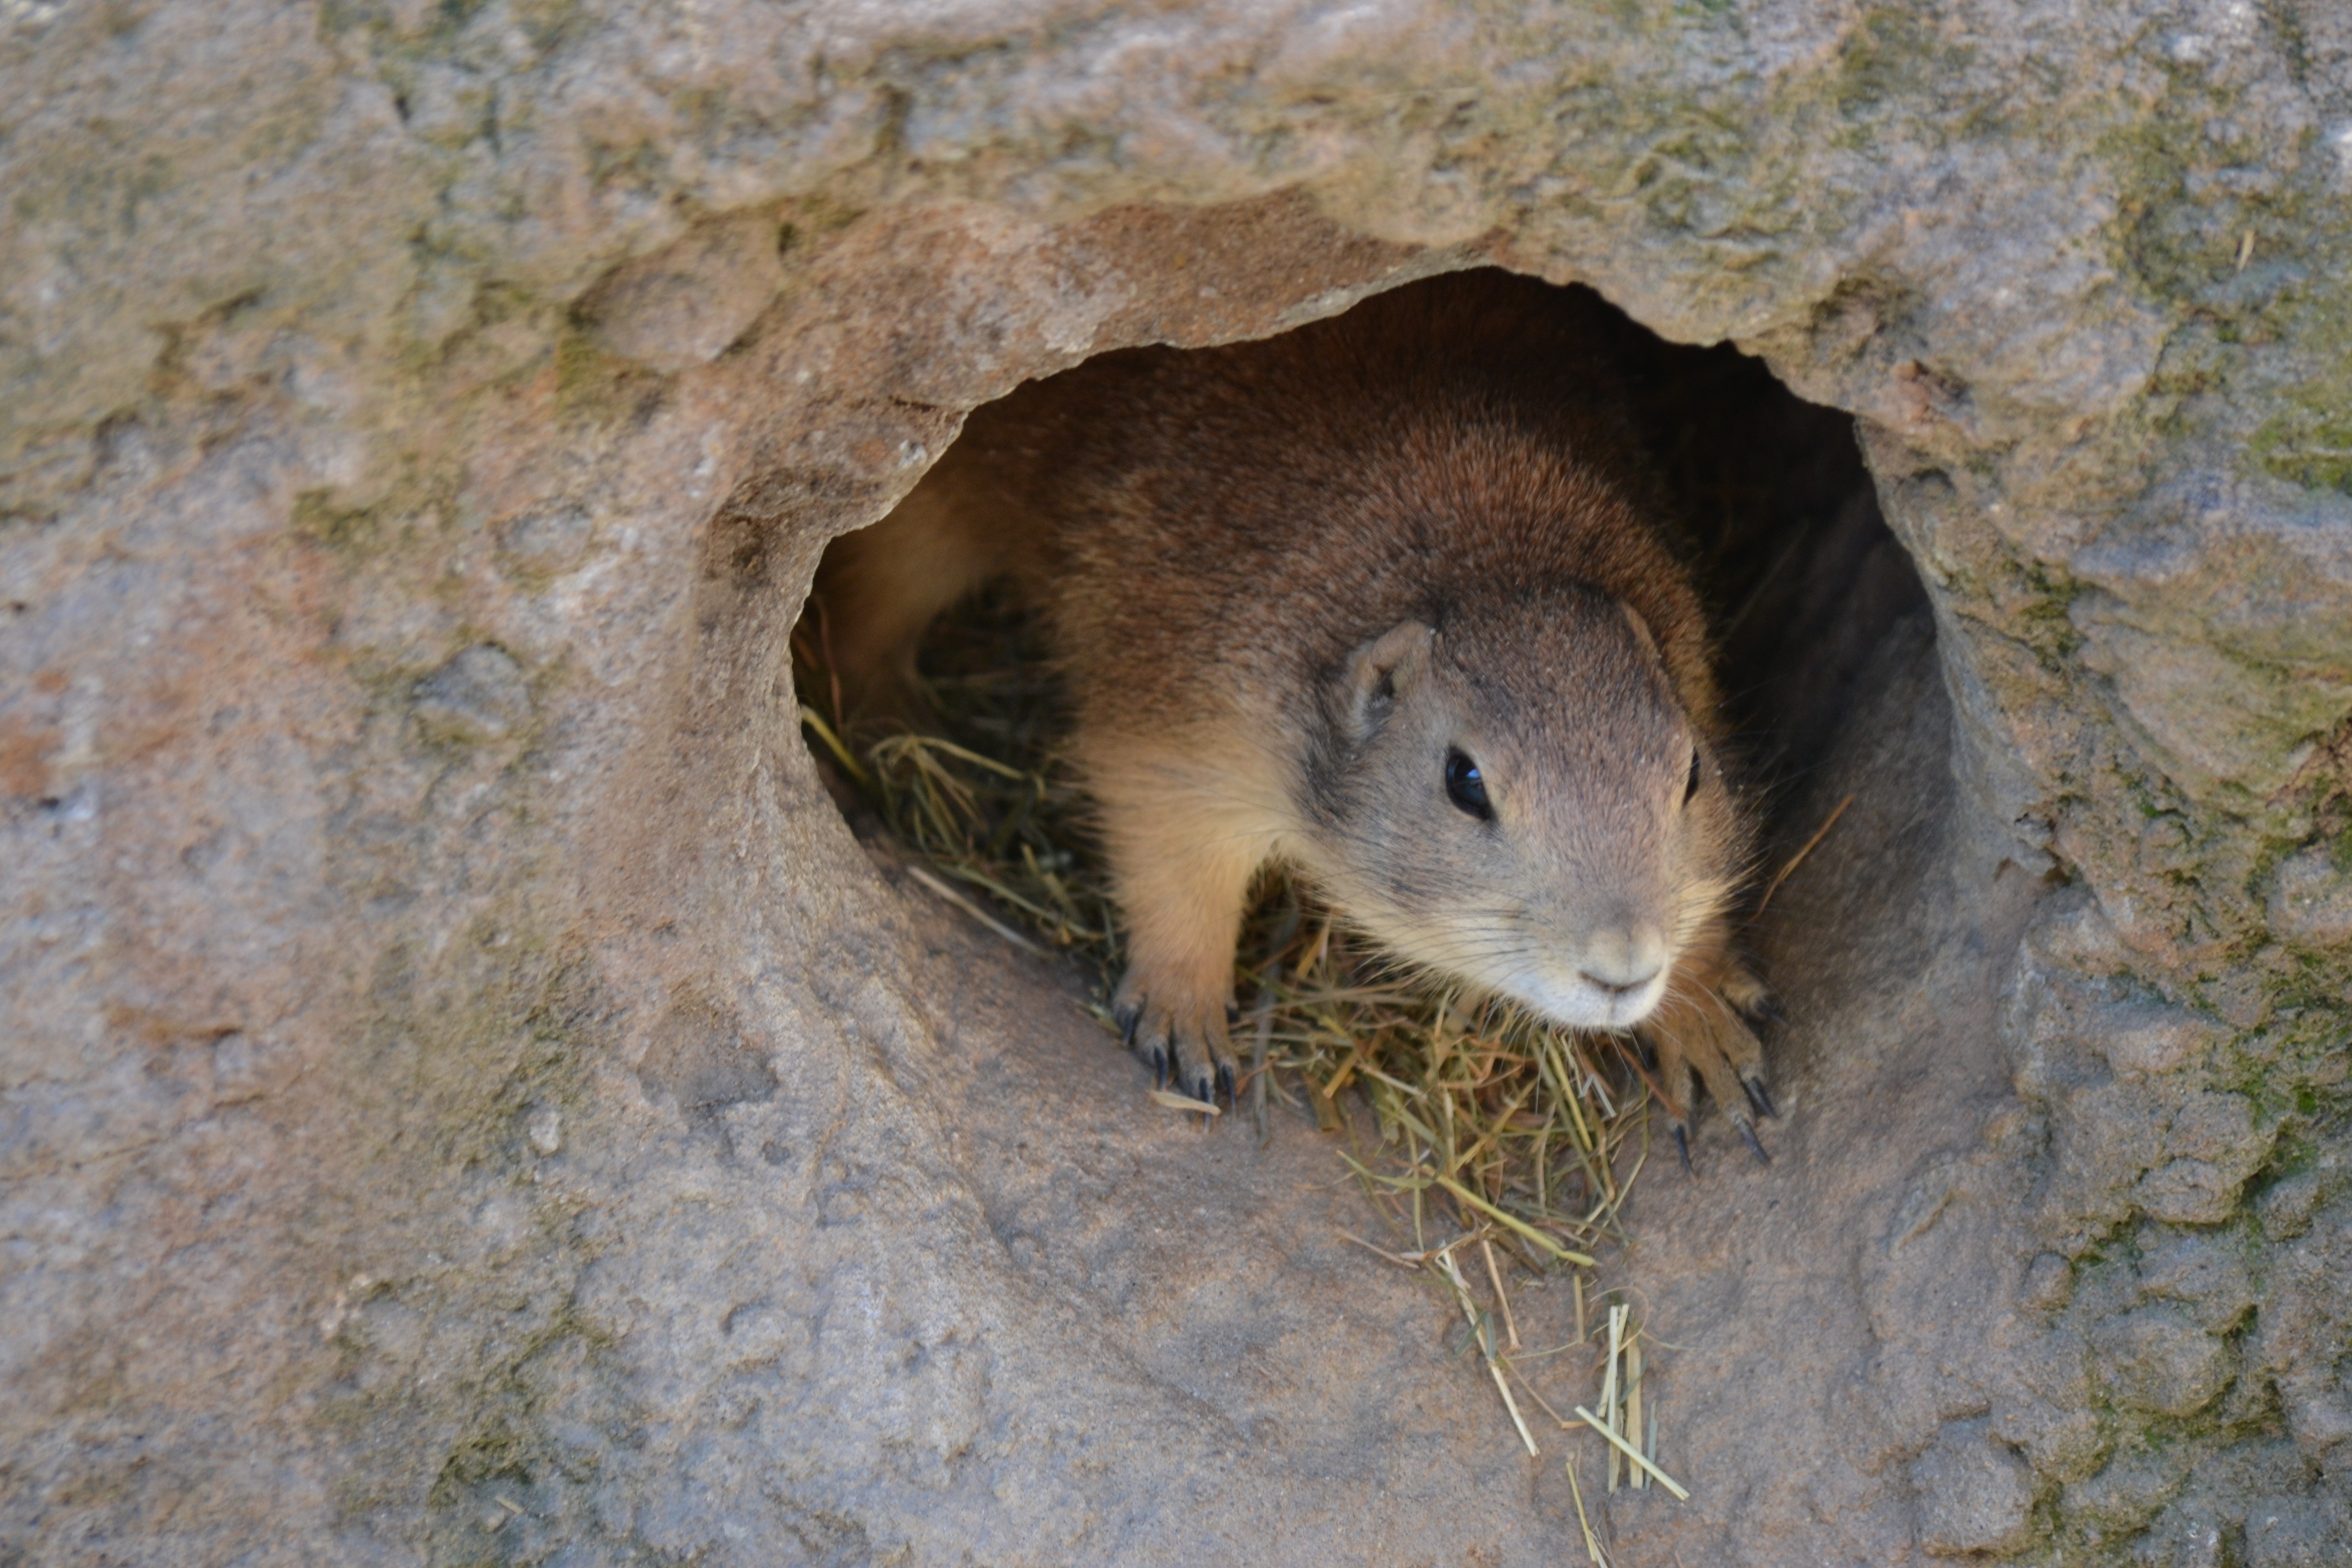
[[1256, 511]]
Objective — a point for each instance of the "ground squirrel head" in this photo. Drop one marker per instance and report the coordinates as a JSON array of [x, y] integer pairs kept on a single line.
[[1510, 792]]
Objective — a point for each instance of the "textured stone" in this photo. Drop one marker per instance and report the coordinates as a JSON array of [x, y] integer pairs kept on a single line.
[[477, 696], [454, 1059], [2213, 1147], [1974, 1495], [2159, 1360], [549, 539], [2146, 1040], [2285, 1207], [2303, 1323], [2129, 1493], [2189, 1537], [2311, 900], [246, 1068], [2207, 1272], [2298, 1533], [683, 306], [2049, 1282]]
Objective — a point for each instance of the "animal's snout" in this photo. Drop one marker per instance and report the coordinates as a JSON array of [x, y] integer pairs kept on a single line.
[[1623, 957], [1614, 990]]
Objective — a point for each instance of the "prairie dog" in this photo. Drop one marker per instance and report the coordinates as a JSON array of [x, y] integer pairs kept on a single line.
[[1382, 598]]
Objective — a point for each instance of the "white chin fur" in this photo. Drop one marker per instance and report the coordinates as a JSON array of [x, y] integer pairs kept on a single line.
[[1582, 1006]]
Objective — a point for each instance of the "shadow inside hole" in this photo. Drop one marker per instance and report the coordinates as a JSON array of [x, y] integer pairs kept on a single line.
[[1802, 577]]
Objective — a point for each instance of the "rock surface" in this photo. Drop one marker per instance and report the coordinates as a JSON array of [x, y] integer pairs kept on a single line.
[[465, 1095]]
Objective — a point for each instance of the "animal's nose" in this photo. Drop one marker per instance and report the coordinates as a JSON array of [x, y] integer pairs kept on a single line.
[[1621, 958], [1613, 988]]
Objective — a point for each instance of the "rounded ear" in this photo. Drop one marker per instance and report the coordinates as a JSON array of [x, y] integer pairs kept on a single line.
[[1380, 671], [1641, 630]]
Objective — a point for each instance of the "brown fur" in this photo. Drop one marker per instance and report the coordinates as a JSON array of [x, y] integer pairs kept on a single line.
[[1287, 579]]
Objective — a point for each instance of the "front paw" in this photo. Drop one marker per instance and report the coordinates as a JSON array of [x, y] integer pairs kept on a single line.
[[1700, 1034], [1181, 1036], [1748, 994]]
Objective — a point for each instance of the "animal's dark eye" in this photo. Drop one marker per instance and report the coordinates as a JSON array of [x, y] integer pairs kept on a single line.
[[1691, 788], [1465, 788]]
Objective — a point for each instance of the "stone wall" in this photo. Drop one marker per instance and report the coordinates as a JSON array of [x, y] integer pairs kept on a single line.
[[468, 1096]]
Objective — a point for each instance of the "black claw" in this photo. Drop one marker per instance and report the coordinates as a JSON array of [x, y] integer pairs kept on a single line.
[[1759, 1096], [1128, 1018], [1159, 1067], [1682, 1146], [1754, 1146], [1766, 1009], [1226, 1085]]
